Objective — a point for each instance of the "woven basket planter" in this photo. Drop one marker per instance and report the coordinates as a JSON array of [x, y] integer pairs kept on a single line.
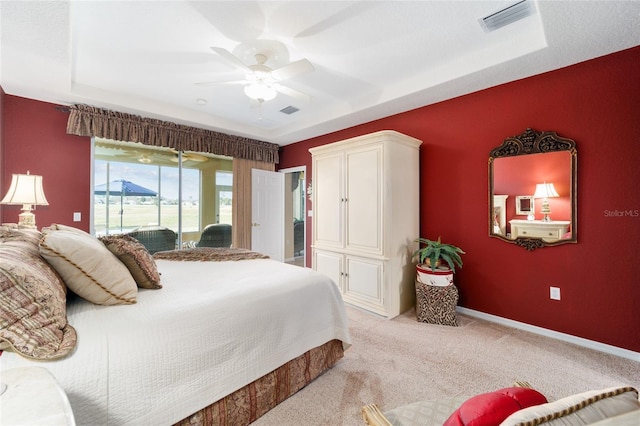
[[436, 304]]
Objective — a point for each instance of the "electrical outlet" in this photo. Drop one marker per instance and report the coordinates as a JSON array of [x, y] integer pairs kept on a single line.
[[77, 217], [554, 293]]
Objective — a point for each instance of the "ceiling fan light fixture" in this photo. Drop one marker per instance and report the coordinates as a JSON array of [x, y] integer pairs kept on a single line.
[[260, 92]]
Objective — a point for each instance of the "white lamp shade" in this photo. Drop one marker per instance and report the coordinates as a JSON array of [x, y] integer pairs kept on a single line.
[[545, 190], [260, 91], [25, 189]]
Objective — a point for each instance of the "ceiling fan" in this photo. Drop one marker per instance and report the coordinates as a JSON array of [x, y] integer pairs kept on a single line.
[[262, 83], [168, 155], [148, 156], [198, 158]]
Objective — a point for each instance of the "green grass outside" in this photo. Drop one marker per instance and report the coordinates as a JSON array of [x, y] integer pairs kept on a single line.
[[142, 215]]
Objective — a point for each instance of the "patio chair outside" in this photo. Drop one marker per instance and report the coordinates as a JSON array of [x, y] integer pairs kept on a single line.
[[155, 238], [215, 235]]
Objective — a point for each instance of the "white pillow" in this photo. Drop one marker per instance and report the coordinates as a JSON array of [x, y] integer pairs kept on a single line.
[[87, 267], [583, 408]]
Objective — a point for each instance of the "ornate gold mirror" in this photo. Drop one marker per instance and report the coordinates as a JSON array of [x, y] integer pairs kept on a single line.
[[536, 170]]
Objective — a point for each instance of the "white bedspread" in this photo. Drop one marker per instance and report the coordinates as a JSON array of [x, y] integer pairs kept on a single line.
[[213, 328]]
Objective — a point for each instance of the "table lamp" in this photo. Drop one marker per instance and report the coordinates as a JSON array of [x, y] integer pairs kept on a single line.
[[26, 190], [545, 191]]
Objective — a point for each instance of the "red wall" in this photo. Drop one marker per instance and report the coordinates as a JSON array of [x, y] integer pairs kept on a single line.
[[596, 103], [35, 139]]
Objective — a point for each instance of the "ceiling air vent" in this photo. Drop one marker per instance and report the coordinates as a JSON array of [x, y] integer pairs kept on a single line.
[[289, 110], [507, 16]]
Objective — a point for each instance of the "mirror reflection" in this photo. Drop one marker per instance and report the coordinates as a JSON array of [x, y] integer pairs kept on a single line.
[[532, 190], [295, 214]]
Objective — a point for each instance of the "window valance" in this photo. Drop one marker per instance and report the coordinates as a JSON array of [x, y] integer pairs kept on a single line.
[[85, 120]]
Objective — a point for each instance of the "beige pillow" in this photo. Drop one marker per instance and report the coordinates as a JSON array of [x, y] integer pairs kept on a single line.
[[88, 267], [583, 408], [136, 258], [60, 227], [33, 321], [30, 236]]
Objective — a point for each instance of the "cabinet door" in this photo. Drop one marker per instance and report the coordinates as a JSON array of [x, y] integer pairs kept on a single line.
[[329, 264], [328, 221], [364, 199], [363, 283]]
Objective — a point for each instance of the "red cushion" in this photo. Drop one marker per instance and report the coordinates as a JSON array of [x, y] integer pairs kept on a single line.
[[493, 407]]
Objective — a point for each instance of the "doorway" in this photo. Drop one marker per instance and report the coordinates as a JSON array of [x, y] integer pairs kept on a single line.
[[295, 215]]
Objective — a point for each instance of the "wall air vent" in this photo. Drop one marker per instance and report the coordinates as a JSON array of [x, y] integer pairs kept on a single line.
[[507, 16], [289, 110]]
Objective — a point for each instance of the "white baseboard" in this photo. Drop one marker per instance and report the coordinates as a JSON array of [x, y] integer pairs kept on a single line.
[[591, 344]]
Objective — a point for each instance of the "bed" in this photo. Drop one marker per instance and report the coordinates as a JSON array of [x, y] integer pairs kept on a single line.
[[224, 336]]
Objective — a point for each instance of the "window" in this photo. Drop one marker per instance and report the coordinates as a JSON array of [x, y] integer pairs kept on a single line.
[[138, 186], [224, 196]]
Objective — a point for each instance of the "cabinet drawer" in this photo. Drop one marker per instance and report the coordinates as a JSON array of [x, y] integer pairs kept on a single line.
[[540, 232]]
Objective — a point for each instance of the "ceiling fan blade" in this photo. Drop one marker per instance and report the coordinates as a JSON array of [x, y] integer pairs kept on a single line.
[[215, 83], [293, 69], [194, 157], [231, 58], [186, 156], [292, 92]]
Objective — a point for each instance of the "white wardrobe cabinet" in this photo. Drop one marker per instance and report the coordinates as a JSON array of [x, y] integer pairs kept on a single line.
[[366, 218]]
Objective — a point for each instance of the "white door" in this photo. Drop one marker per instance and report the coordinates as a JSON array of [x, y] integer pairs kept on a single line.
[[364, 199], [329, 200], [267, 213]]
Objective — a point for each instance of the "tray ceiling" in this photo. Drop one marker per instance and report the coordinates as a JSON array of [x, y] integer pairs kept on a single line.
[[370, 59]]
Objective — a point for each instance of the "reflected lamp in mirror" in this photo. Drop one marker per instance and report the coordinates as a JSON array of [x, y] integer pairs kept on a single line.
[[26, 190], [545, 191]]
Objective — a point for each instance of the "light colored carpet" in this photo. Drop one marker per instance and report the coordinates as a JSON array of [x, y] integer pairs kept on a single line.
[[399, 361]]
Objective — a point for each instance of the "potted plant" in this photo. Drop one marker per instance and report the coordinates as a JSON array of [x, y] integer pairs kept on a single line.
[[437, 261], [436, 296]]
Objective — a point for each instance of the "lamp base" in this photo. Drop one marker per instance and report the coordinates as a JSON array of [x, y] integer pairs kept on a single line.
[[545, 210], [27, 220]]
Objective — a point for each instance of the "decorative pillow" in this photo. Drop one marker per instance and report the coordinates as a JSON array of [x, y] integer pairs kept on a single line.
[[583, 408], [31, 236], [136, 258], [33, 320], [88, 267], [492, 408], [60, 227]]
